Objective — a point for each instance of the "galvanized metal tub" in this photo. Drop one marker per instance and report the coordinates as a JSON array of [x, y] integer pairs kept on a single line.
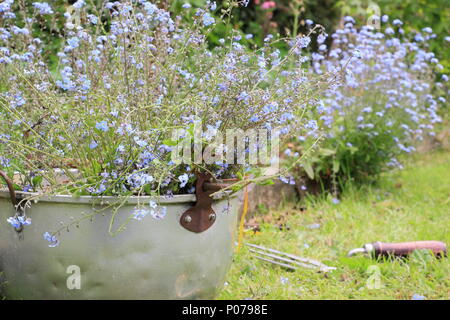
[[151, 259]]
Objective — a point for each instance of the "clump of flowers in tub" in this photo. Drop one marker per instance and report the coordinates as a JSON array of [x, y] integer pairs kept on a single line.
[[128, 75], [384, 105]]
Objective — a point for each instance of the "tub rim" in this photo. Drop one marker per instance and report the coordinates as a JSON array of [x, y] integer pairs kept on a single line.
[[181, 198]]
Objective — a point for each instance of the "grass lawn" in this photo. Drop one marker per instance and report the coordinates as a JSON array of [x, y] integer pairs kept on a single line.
[[411, 204]]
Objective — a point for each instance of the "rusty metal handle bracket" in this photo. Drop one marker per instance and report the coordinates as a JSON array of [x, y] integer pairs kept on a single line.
[[10, 185], [201, 216], [13, 196]]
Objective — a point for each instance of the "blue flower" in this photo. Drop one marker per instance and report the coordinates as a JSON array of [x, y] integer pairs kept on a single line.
[[349, 19], [311, 124], [17, 30], [159, 213], [101, 188], [357, 54], [5, 6], [79, 4], [271, 107], [93, 18], [139, 179], [284, 280], [208, 20], [52, 239], [19, 221], [139, 214], [153, 204], [322, 47], [73, 43], [222, 87], [389, 30], [4, 162], [303, 42], [139, 142], [102, 126], [43, 7], [186, 6], [287, 180], [243, 96], [14, 222], [183, 180], [321, 38], [24, 220]]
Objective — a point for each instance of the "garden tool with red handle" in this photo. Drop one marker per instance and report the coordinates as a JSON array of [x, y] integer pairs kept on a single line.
[[400, 249]]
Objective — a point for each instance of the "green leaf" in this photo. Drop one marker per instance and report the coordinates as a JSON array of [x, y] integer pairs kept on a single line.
[[76, 193], [170, 142], [191, 130], [148, 189], [327, 152], [236, 188], [96, 167], [309, 170], [353, 149], [336, 166], [267, 182], [36, 181]]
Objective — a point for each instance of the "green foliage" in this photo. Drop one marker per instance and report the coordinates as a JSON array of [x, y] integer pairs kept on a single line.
[[287, 18], [415, 14], [387, 102], [46, 27]]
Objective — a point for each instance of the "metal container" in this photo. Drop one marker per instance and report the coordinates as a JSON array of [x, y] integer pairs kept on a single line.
[[151, 259]]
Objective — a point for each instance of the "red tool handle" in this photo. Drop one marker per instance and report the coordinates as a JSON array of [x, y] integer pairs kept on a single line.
[[405, 248]]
